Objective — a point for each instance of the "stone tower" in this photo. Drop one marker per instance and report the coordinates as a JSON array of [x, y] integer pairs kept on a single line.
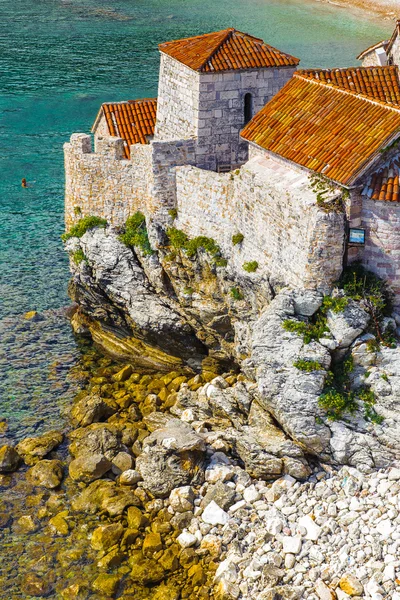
[[211, 85]]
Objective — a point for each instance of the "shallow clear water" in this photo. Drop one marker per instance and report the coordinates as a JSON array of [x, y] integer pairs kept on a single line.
[[59, 59]]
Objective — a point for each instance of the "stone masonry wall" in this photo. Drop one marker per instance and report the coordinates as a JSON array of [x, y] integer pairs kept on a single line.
[[273, 206], [221, 112], [381, 253], [105, 184], [210, 107], [178, 101], [371, 60]]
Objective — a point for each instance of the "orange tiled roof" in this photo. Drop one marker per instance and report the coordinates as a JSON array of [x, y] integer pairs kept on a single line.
[[378, 83], [383, 44], [324, 128], [384, 184], [132, 120], [226, 50]]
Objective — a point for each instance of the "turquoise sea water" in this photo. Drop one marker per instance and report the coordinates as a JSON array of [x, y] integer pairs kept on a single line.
[[59, 60]]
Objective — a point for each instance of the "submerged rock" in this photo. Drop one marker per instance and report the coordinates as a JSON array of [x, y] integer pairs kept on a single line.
[[172, 457], [104, 495], [34, 449], [90, 409], [88, 467], [97, 438], [9, 459], [46, 473]]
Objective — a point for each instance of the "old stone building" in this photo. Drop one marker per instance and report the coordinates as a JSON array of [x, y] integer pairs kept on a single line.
[[386, 52], [236, 142]]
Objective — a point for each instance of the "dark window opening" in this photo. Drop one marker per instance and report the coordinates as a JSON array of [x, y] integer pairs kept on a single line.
[[248, 108]]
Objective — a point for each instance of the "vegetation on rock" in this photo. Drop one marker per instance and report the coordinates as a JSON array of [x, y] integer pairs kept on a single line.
[[180, 241], [237, 238], [84, 225], [78, 256], [136, 235], [251, 266], [308, 365], [236, 293]]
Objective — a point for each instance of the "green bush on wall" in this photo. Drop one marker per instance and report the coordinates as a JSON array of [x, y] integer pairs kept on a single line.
[[251, 266], [82, 226], [136, 235], [237, 238]]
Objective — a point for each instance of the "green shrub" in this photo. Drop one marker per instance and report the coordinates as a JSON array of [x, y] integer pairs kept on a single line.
[[236, 293], [309, 331], [78, 256], [251, 266], [220, 262], [237, 238], [136, 235], [188, 291], [178, 239], [173, 213], [336, 305], [308, 365], [337, 403], [360, 284], [373, 346], [82, 226], [77, 210], [385, 377], [201, 241]]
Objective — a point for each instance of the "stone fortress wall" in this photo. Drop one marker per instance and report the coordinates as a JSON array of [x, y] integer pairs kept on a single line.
[[294, 242]]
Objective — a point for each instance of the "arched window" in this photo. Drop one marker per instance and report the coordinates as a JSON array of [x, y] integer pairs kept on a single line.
[[248, 108]]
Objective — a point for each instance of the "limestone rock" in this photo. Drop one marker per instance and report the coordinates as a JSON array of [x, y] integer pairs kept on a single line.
[[106, 584], [214, 515], [136, 519], [181, 499], [172, 457], [122, 462], [186, 539], [97, 438], [33, 585], [34, 449], [46, 473], [151, 544], [282, 592], [9, 459], [90, 409], [105, 536], [130, 477], [123, 374], [145, 571], [323, 592], [59, 524], [104, 495], [351, 585], [26, 524], [307, 302], [88, 467], [118, 290], [348, 324], [221, 494]]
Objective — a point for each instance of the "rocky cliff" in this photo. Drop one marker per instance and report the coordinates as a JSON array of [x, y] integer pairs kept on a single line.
[[170, 308]]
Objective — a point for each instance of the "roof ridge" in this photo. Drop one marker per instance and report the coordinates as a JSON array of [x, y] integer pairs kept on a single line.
[[337, 88], [229, 32], [130, 101], [357, 67]]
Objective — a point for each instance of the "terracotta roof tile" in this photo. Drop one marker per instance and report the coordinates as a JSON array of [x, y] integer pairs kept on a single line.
[[133, 120], [226, 50], [384, 184], [383, 44], [378, 83], [324, 128]]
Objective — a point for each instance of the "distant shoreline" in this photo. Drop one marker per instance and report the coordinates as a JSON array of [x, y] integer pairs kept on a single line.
[[387, 9]]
